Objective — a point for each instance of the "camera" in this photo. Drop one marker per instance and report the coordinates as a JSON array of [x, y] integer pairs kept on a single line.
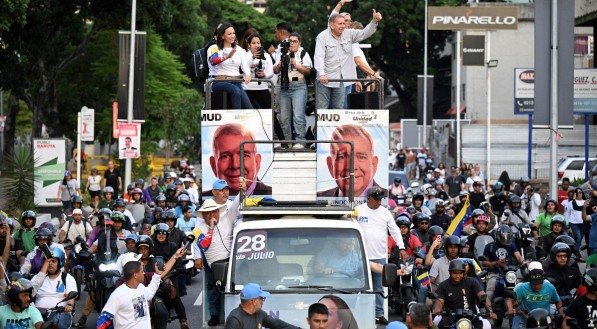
[[284, 46], [285, 61]]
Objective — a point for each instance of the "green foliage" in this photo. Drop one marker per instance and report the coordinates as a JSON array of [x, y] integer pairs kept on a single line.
[[16, 182], [12, 12]]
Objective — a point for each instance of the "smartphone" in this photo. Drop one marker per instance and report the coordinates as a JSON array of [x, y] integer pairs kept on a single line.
[[159, 261], [45, 250]]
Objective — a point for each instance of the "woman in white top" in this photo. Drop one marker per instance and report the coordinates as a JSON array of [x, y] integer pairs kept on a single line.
[[226, 58], [262, 67], [574, 212], [94, 187]]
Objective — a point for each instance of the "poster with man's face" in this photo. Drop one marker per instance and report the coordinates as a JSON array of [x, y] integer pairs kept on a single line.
[[129, 140], [368, 130], [222, 131]]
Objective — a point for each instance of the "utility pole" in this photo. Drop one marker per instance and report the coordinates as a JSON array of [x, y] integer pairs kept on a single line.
[[129, 118]]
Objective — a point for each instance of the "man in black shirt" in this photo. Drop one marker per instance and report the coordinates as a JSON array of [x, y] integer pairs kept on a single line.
[[584, 308], [112, 178], [476, 196], [440, 218], [565, 278], [457, 293], [249, 315], [454, 183]]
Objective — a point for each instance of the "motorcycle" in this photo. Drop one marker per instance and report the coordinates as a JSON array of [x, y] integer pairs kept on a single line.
[[463, 319], [105, 274], [403, 293], [81, 261], [525, 242], [507, 280], [55, 311]]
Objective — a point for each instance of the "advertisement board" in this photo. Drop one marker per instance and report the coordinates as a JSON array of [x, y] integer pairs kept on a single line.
[[129, 140], [585, 91], [48, 170], [473, 50], [473, 18], [87, 124], [369, 131], [221, 134]]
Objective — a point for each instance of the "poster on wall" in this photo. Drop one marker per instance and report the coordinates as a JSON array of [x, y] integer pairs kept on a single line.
[[129, 140], [369, 131], [222, 131], [48, 170]]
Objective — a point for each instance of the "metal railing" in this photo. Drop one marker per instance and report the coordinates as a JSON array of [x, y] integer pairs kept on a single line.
[[378, 82], [209, 83]]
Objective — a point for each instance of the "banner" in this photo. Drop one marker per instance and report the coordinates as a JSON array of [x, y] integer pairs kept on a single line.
[[48, 170], [585, 91], [87, 124], [222, 131], [368, 129], [472, 18], [129, 140]]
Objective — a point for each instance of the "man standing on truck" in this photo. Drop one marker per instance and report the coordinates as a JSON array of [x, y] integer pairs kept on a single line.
[[376, 221], [249, 315]]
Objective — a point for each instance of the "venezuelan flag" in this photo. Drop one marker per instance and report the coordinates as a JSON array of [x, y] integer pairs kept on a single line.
[[424, 279], [461, 219]]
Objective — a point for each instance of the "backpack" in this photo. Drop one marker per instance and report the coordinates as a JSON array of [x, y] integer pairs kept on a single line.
[[200, 61], [70, 222], [311, 77]]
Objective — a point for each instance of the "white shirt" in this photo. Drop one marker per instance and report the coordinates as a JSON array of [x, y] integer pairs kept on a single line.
[[94, 182], [573, 216], [231, 65], [130, 307], [76, 229], [268, 69], [376, 223], [193, 195], [52, 291], [535, 203]]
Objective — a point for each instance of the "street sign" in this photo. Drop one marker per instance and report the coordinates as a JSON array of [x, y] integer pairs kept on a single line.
[[524, 91], [87, 124]]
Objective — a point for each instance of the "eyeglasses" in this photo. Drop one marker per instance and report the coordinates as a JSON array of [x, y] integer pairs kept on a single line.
[[161, 233], [562, 256], [294, 41]]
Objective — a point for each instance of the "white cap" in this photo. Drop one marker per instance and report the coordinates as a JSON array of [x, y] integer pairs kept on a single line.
[[535, 266]]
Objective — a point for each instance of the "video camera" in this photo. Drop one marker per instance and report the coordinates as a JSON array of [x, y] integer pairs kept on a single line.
[[285, 60]]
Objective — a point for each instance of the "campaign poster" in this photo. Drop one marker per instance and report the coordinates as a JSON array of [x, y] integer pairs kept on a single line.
[[129, 140], [222, 131], [369, 131], [48, 170]]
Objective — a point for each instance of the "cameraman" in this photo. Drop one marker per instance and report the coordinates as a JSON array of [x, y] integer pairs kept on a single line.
[[261, 68], [294, 65]]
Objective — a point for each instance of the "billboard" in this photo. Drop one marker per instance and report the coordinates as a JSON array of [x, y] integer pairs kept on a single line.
[[48, 170], [473, 50], [221, 134], [472, 18], [585, 91], [369, 131], [129, 140]]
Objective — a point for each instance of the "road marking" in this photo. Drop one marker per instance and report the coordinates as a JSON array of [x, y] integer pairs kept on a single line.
[[199, 300]]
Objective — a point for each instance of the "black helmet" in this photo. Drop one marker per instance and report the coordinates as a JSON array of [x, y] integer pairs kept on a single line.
[[160, 197], [397, 180], [420, 217], [158, 210], [418, 196], [514, 202], [589, 279], [42, 233], [403, 220], [558, 219], [557, 248], [170, 214], [28, 214], [452, 240], [140, 181], [130, 187], [567, 240], [503, 235], [161, 227], [411, 210], [76, 199], [457, 265], [144, 240], [538, 318], [17, 287], [436, 230], [119, 203], [486, 206]]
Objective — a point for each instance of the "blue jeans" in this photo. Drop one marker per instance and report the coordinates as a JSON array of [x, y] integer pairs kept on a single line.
[[577, 234], [292, 110], [213, 295], [347, 90], [238, 96], [378, 288], [63, 320], [330, 98]]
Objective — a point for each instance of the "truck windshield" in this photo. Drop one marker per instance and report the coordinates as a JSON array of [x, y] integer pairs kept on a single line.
[[293, 258]]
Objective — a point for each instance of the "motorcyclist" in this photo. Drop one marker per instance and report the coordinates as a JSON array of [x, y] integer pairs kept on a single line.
[[421, 227], [140, 184], [34, 260], [6, 227], [498, 255], [110, 243], [127, 196], [120, 206], [537, 293], [499, 199], [24, 237], [108, 198], [412, 244], [418, 200], [20, 308], [396, 190], [102, 215], [76, 203], [481, 224], [565, 278], [184, 201], [160, 201], [440, 218], [51, 285], [458, 292], [439, 187], [171, 196], [138, 208], [439, 268], [557, 225], [574, 258], [582, 308], [543, 220], [514, 215], [175, 235], [434, 246], [462, 196], [166, 249]]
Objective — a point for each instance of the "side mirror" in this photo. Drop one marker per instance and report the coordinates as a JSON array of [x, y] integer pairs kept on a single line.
[[389, 275], [220, 270]]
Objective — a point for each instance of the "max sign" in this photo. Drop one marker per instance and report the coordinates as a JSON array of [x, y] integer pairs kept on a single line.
[[473, 18]]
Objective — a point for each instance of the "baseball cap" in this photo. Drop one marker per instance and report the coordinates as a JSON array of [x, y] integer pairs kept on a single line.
[[536, 276], [220, 184], [396, 325], [252, 291], [375, 193], [77, 212]]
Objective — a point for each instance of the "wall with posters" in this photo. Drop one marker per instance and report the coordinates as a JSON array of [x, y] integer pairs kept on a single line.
[[369, 131], [221, 134], [48, 170]]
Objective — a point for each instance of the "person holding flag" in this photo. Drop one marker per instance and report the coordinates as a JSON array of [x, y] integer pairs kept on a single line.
[[461, 219]]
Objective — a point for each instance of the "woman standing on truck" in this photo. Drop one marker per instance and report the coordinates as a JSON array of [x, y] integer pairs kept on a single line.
[[225, 59]]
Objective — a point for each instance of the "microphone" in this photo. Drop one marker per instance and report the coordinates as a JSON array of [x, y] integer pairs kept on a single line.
[[189, 241]]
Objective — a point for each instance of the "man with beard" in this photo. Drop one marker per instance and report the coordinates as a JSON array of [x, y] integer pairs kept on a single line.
[[440, 218]]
